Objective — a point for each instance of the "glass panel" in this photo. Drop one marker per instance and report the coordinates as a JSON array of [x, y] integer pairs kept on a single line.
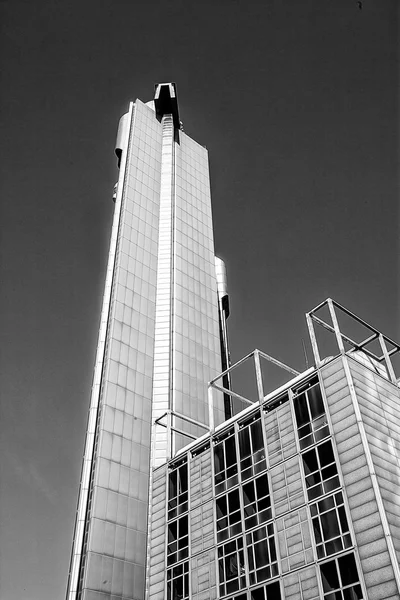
[[301, 410], [330, 580], [310, 461], [348, 569], [257, 436], [244, 442], [315, 401], [325, 453]]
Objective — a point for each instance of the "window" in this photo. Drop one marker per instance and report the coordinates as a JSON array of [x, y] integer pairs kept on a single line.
[[312, 424], [229, 521], [267, 592], [251, 446], [178, 540], [331, 530], [340, 579], [232, 571], [262, 555], [178, 491], [178, 582], [320, 470], [257, 502], [225, 463]]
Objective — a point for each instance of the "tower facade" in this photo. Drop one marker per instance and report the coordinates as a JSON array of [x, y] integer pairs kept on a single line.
[[162, 338]]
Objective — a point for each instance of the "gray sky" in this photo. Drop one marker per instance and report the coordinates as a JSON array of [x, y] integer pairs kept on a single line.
[[297, 103]]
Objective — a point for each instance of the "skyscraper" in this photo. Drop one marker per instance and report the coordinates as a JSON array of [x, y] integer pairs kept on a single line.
[[162, 338]]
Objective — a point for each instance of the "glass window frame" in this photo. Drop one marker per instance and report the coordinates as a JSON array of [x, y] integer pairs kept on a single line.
[[335, 508], [327, 484], [254, 461], [255, 540], [313, 429], [338, 565]]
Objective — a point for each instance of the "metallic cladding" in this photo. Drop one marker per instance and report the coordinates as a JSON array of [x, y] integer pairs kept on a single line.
[[158, 347]]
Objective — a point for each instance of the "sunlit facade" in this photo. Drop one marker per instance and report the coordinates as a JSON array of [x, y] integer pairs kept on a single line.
[[162, 338], [297, 497]]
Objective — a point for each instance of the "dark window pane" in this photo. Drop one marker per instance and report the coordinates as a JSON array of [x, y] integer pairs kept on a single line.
[[230, 450], [330, 580], [310, 461], [353, 593], [234, 503], [219, 458], [315, 401], [257, 594], [261, 554], [317, 531], [183, 479], [348, 569], [262, 486], [315, 492], [244, 442], [334, 546], [248, 493], [257, 437], [183, 527], [343, 519], [273, 591], [326, 504], [221, 507], [301, 410], [329, 472], [330, 525], [325, 453], [172, 491], [313, 479]]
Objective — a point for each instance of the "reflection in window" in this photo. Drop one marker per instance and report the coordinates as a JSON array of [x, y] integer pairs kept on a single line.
[[229, 521], [178, 491], [178, 582], [320, 470], [267, 592], [251, 447], [257, 502], [331, 530], [232, 572], [312, 424], [262, 555], [225, 463], [178, 540], [340, 579]]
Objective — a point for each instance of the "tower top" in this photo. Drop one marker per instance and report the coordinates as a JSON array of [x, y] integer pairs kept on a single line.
[[166, 101]]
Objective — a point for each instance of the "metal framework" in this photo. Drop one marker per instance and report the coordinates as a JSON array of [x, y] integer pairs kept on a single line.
[[376, 361], [383, 359], [255, 356]]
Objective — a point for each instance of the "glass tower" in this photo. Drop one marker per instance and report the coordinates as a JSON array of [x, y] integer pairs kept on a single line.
[[162, 338]]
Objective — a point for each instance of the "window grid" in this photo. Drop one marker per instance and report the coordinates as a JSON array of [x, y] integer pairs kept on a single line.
[[312, 423], [231, 566], [178, 491], [229, 520], [340, 580], [225, 463], [331, 529], [178, 540], [251, 448], [266, 592], [256, 502], [178, 582], [320, 470], [261, 554]]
